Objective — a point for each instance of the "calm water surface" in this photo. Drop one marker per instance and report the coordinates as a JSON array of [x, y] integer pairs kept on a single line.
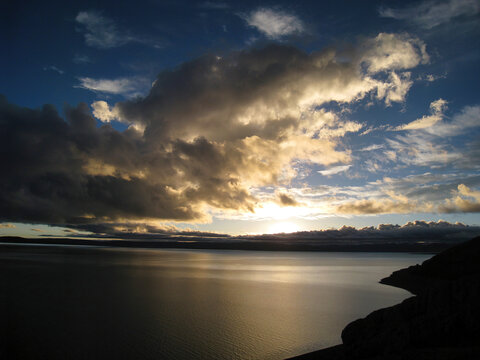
[[90, 303]]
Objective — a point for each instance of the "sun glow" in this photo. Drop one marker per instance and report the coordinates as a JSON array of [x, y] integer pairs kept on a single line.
[[283, 227]]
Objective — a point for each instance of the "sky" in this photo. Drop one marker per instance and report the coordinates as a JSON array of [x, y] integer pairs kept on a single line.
[[238, 117]]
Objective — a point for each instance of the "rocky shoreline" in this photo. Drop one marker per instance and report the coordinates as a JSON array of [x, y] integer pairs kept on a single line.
[[442, 320]]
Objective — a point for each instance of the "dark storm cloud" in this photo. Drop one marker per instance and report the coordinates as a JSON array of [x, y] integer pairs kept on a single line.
[[139, 231], [73, 172], [53, 170]]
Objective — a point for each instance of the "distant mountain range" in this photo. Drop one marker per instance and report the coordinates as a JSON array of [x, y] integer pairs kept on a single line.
[[270, 243]]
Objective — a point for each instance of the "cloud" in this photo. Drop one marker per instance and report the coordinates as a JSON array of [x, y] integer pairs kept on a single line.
[[286, 200], [425, 143], [277, 82], [432, 77], [273, 23], [102, 111], [7, 226], [437, 108], [81, 59], [421, 193], [102, 32], [334, 170], [372, 147], [393, 52], [461, 122], [132, 230], [466, 200], [413, 231], [428, 14], [424, 193], [73, 172], [125, 86], [54, 68], [376, 206], [206, 136]]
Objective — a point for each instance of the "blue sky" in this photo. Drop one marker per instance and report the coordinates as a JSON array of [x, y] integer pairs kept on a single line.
[[248, 117]]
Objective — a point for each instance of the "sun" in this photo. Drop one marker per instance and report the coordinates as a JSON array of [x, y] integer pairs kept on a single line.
[[283, 227]]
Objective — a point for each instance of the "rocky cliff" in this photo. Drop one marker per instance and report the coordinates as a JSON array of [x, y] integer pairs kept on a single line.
[[441, 322]]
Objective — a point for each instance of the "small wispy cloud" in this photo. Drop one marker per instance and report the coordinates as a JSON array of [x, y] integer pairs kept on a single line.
[[437, 109], [372, 147], [7, 226], [428, 14], [81, 59], [123, 86], [436, 123], [54, 68], [466, 120], [102, 32], [334, 170], [432, 77], [274, 23]]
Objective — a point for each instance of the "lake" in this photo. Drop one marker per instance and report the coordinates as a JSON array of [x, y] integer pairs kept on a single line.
[[95, 303]]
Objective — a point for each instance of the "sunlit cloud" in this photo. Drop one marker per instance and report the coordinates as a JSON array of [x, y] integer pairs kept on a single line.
[[437, 109], [465, 120], [425, 193], [125, 86], [393, 52], [426, 142], [465, 200], [274, 23], [334, 170], [372, 147], [380, 206]]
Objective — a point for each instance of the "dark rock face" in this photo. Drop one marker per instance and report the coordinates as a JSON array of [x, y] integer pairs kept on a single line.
[[441, 322], [445, 314], [452, 264]]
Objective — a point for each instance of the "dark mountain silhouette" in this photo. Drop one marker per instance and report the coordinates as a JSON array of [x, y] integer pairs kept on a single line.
[[441, 322]]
